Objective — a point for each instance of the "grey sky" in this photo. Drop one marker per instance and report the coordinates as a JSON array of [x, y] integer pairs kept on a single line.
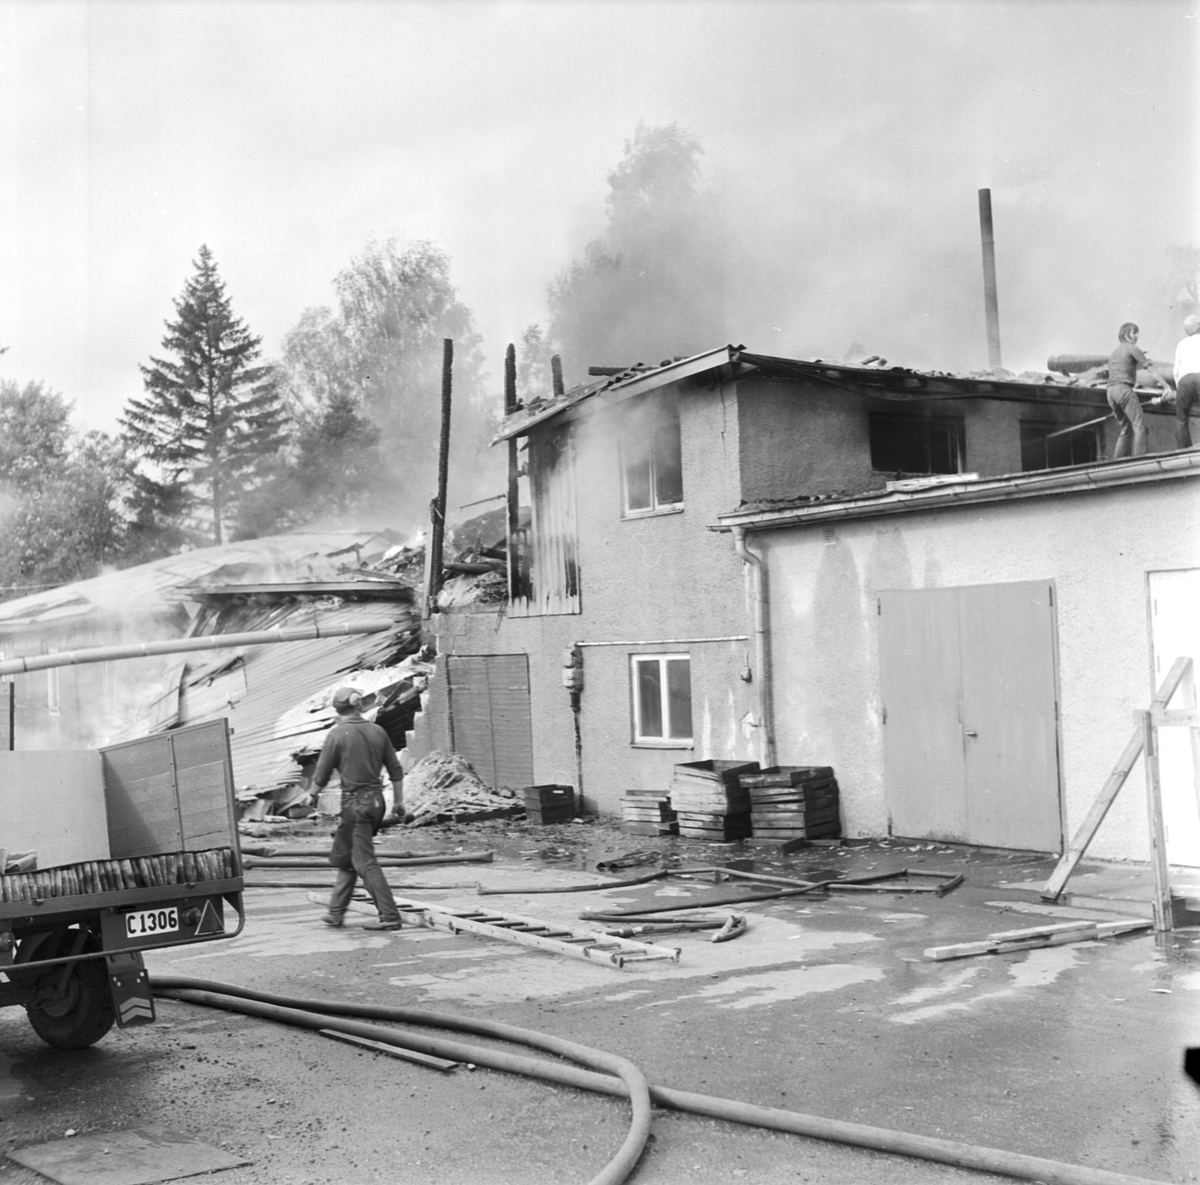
[[847, 142]]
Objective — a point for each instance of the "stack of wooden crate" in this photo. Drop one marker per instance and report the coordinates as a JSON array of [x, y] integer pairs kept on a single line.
[[648, 812], [708, 801], [793, 802]]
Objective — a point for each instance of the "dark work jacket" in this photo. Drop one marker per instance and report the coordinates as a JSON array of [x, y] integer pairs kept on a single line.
[[358, 750]]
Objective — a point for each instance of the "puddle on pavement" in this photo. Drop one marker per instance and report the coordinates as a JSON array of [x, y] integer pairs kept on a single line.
[[1038, 968], [773, 987]]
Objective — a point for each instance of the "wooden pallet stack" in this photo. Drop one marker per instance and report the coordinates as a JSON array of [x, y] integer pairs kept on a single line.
[[648, 812], [793, 802], [104, 876], [708, 800]]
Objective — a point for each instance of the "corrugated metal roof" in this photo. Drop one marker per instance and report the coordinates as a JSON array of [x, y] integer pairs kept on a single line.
[[148, 589], [262, 690]]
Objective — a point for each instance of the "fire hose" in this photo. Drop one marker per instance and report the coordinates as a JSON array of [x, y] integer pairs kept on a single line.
[[613, 1075]]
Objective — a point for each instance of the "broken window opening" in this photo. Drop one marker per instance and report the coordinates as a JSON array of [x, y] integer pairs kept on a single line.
[[545, 578], [916, 444], [652, 467], [1039, 450], [661, 686]]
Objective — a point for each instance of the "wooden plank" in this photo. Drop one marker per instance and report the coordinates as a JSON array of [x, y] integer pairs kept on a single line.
[[1019, 940], [1164, 916], [1095, 816], [1108, 792]]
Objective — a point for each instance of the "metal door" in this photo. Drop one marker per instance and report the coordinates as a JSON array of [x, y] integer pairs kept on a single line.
[[1175, 632], [490, 719], [970, 715]]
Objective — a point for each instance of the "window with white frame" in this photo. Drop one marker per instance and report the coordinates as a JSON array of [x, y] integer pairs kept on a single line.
[[651, 466], [662, 699]]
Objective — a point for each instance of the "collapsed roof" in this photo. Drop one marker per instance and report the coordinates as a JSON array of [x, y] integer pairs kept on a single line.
[[872, 377]]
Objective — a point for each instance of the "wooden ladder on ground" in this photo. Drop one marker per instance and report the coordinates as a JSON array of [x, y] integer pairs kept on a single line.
[[1143, 743], [507, 927]]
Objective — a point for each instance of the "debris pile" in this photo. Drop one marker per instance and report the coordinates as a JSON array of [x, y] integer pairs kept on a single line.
[[442, 787]]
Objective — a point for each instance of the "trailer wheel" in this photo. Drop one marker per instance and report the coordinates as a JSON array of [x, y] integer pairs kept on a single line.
[[74, 1012]]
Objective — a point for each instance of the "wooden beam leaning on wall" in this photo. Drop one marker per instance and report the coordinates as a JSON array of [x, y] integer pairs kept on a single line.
[[1181, 671]]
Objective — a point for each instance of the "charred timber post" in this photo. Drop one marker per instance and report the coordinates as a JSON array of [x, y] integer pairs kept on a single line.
[[556, 377], [990, 305], [512, 497], [437, 534]]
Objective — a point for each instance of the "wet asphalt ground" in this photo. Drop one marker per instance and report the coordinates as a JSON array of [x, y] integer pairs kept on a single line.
[[825, 1006]]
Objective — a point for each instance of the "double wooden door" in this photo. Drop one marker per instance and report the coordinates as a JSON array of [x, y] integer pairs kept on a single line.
[[970, 710]]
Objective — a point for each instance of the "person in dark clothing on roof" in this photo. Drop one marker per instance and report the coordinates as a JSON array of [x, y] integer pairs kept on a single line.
[[359, 750], [1123, 365]]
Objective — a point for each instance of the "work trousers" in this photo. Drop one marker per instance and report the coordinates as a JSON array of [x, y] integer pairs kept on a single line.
[[1132, 438], [1187, 395], [353, 855]]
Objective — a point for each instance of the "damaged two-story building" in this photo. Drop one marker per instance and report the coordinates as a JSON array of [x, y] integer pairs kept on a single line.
[[932, 582]]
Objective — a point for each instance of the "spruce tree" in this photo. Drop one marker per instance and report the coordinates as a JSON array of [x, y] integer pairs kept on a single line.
[[212, 419]]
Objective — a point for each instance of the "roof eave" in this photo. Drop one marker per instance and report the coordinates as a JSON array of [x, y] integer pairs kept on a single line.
[[1014, 487], [661, 376]]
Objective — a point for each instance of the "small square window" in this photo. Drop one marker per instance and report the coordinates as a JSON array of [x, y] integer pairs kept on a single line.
[[652, 467], [916, 444], [662, 699]]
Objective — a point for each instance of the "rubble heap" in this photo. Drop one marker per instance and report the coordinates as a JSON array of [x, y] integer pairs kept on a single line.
[[443, 785]]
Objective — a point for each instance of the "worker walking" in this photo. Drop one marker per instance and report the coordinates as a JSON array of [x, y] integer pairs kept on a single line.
[[359, 750], [1187, 379], [1123, 364]]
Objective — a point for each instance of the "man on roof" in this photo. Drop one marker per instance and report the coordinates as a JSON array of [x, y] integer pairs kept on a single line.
[[359, 750], [1123, 365], [1187, 379]]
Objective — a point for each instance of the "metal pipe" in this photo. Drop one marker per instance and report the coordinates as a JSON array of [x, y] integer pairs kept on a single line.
[[762, 659], [667, 641], [307, 633], [1076, 427], [991, 308]]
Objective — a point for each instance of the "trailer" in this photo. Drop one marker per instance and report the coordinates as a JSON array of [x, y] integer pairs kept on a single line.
[[143, 854]]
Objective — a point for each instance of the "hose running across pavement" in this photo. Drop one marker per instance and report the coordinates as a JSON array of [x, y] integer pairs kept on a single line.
[[620, 1078], [315, 1014]]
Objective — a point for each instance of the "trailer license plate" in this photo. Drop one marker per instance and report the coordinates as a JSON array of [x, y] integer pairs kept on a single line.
[[144, 922]]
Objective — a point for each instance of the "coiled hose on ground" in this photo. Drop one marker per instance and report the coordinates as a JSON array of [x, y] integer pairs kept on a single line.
[[611, 1075]]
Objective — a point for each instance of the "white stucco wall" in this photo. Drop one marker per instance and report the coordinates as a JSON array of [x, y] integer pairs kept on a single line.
[[1096, 546], [655, 577]]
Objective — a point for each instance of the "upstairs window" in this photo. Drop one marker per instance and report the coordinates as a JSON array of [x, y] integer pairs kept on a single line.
[[1042, 446], [662, 699], [652, 470], [916, 444]]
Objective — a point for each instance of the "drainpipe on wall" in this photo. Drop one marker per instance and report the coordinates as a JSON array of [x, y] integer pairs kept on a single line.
[[572, 677], [762, 660]]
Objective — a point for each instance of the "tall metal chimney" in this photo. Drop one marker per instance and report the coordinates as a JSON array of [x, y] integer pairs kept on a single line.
[[991, 310]]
